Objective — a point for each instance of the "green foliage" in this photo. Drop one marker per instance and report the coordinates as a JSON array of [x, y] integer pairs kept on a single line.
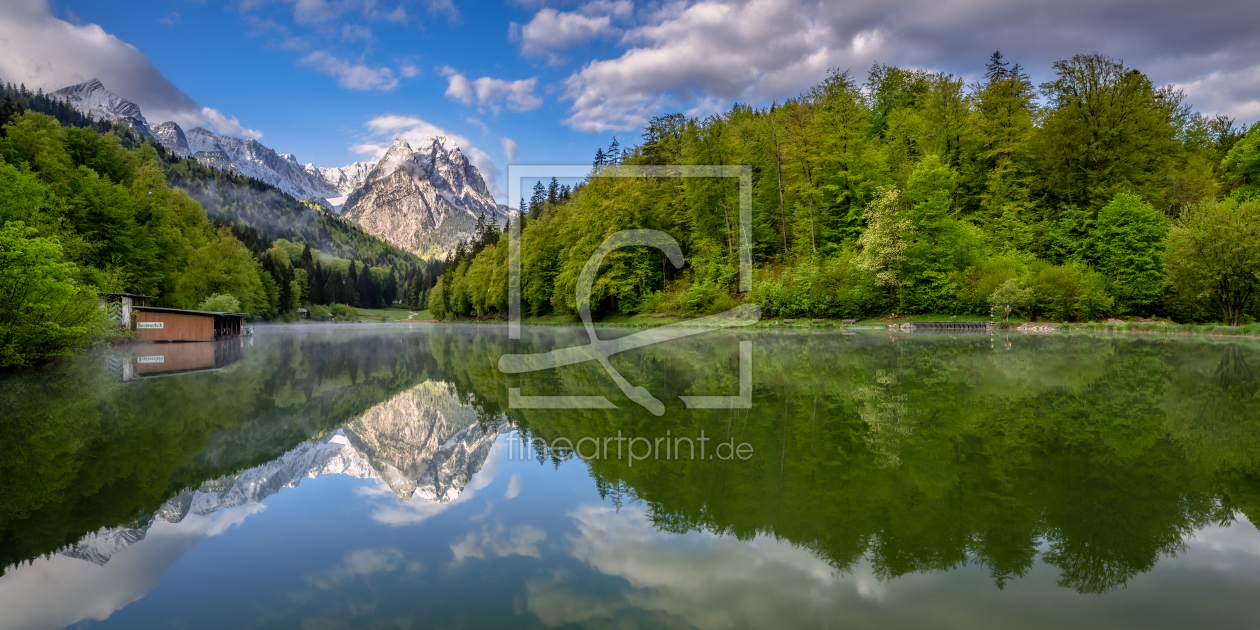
[[1242, 163], [44, 313], [1214, 256], [1128, 248], [1014, 293], [1106, 130], [220, 303], [343, 313], [225, 266]]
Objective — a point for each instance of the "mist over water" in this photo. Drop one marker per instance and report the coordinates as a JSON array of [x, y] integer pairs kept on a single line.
[[377, 476]]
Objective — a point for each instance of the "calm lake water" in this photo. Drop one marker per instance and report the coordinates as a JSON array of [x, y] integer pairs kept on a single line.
[[356, 476]]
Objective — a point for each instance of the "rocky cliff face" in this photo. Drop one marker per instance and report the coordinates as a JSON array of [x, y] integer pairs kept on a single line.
[[216, 159], [409, 193], [398, 202], [172, 137], [422, 442]]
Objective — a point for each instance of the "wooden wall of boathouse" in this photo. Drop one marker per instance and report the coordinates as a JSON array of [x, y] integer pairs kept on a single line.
[[175, 326]]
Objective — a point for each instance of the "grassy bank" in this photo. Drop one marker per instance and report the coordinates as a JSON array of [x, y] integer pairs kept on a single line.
[[1248, 330]]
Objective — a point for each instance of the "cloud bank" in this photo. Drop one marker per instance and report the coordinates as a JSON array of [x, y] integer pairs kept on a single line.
[[42, 51], [700, 56]]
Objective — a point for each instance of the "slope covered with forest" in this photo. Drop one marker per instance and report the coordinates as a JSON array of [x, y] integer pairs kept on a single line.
[[1093, 195]]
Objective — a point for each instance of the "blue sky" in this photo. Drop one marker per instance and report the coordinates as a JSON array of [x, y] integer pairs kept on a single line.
[[549, 81]]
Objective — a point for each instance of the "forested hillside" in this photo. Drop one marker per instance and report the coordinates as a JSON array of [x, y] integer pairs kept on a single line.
[[246, 201], [88, 209], [1092, 195]]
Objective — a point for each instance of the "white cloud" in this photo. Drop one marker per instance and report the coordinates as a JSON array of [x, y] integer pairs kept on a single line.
[[510, 148], [473, 120], [360, 563], [514, 484], [551, 31], [1232, 93], [42, 51], [57, 591], [521, 540], [230, 126], [703, 55], [355, 76], [355, 32], [491, 93]]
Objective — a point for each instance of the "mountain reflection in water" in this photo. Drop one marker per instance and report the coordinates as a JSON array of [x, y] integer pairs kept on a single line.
[[1118, 468]]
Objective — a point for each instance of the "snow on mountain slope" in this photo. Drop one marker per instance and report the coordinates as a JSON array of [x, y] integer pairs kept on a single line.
[[262, 163], [172, 137], [92, 99], [343, 178]]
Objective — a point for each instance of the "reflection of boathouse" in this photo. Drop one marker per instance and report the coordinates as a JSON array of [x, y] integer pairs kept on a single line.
[[172, 324], [178, 358]]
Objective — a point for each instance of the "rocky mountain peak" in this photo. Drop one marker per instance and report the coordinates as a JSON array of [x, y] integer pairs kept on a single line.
[[172, 137], [92, 99]]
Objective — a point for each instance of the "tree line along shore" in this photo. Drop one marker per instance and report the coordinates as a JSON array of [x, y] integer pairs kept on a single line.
[[1092, 196]]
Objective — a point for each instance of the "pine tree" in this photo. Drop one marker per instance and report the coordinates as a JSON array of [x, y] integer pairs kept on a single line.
[[553, 192], [600, 160], [317, 280], [614, 153], [352, 286], [996, 70], [536, 202], [391, 287]]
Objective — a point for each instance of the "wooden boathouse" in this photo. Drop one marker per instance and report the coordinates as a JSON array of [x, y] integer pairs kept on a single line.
[[153, 323]]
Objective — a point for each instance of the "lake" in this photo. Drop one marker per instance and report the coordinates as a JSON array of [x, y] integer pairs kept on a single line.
[[387, 476]]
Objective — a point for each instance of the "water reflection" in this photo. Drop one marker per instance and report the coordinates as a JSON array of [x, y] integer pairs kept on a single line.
[[888, 469]]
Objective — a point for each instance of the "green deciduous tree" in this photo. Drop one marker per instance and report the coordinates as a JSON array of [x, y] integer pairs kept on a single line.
[[1242, 163], [1128, 248], [1214, 254], [220, 303], [1106, 129], [44, 313]]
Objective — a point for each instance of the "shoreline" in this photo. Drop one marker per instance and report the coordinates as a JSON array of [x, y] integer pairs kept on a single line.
[[1040, 328]]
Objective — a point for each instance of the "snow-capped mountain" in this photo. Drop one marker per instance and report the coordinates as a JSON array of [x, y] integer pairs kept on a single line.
[[421, 442], [409, 193], [403, 198], [172, 137], [262, 163], [344, 178], [92, 99]]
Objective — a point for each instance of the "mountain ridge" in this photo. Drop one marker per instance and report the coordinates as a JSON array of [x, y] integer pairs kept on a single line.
[[403, 198]]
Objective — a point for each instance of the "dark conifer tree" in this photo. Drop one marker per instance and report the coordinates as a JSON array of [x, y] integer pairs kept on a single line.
[[996, 70], [351, 294], [613, 157]]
